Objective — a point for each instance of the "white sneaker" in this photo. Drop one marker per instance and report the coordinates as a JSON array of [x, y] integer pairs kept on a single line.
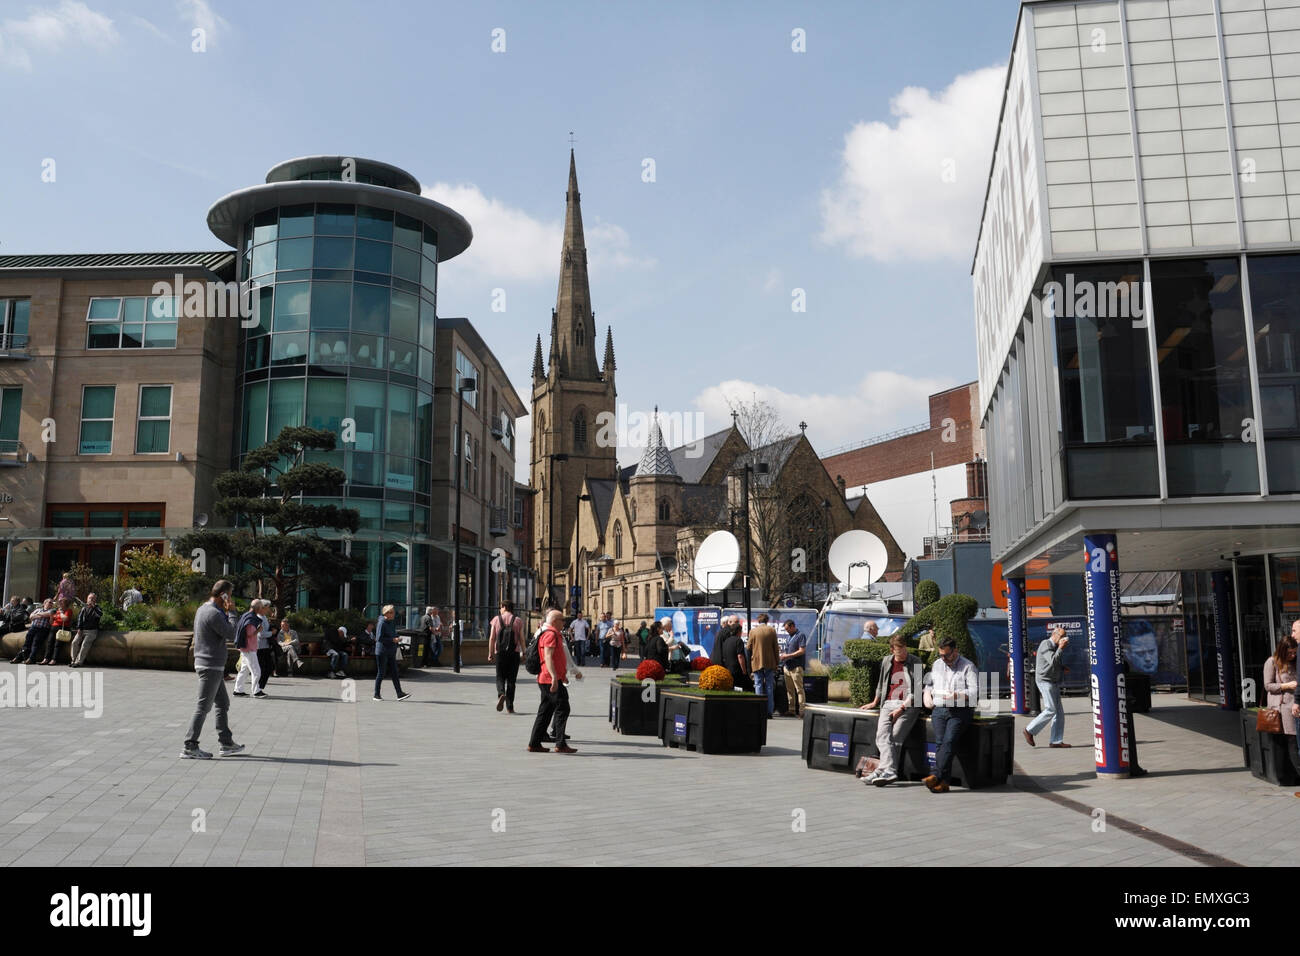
[[871, 777], [884, 779]]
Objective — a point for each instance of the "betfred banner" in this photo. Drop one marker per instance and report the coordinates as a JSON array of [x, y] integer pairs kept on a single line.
[[1016, 643], [1105, 662]]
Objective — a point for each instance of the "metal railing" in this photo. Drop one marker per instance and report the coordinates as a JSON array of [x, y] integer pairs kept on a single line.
[[876, 440], [13, 342], [12, 452]]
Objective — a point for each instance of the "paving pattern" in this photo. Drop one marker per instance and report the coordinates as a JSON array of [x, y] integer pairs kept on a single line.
[[444, 779]]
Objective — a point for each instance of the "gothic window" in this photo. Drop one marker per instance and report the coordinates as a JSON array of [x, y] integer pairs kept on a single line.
[[807, 526], [579, 334], [631, 506], [618, 540], [541, 433], [665, 510], [580, 430]]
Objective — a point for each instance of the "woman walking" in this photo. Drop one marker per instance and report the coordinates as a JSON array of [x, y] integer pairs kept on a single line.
[[617, 640], [386, 653]]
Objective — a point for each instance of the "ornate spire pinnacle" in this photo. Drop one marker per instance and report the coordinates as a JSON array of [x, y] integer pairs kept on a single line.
[[576, 326], [609, 351], [554, 356], [539, 370]]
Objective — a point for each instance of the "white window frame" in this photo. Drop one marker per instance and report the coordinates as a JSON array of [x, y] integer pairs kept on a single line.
[[81, 412], [120, 321], [139, 404]]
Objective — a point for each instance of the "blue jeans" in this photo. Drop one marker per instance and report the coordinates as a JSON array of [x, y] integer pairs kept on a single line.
[[338, 660], [580, 652], [765, 683], [949, 724], [1050, 692], [435, 649]]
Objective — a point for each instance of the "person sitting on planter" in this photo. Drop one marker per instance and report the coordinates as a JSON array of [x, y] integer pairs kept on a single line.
[[87, 630], [896, 697], [12, 618], [953, 689], [656, 649], [367, 640], [290, 644], [336, 649], [38, 629]]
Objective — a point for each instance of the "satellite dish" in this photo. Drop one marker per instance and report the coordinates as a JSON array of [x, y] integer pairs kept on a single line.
[[979, 519], [860, 552], [201, 519], [716, 561]]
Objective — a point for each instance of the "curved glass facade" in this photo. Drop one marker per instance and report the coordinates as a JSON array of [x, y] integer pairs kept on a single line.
[[344, 333]]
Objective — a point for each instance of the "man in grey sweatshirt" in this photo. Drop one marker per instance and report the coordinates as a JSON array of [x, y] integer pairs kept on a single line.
[[1047, 674], [213, 631]]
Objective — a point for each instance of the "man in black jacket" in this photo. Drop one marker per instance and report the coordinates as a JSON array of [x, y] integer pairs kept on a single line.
[[13, 617], [87, 630], [733, 653], [337, 644]]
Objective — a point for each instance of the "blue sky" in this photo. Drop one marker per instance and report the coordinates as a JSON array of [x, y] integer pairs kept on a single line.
[[854, 170]]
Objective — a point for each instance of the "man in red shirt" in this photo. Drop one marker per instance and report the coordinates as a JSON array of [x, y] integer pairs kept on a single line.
[[900, 679], [550, 682]]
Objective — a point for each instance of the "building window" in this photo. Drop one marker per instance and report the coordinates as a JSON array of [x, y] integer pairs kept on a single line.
[[132, 322], [636, 601], [665, 510], [97, 420], [507, 432], [579, 334], [1106, 401], [15, 315], [623, 613], [519, 511], [153, 430], [465, 369], [631, 507], [1275, 310], [1205, 388], [648, 606], [455, 464], [618, 540], [580, 430], [11, 407]]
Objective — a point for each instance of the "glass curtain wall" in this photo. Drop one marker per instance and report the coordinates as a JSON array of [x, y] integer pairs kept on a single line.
[[1275, 314]]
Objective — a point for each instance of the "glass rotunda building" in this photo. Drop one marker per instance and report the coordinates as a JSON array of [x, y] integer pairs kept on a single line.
[[343, 253]]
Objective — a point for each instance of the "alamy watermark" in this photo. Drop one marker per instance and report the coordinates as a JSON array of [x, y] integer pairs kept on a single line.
[[82, 690], [1084, 298], [632, 429], [195, 299]]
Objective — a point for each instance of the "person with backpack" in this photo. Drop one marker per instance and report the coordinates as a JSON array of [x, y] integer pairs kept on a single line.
[[506, 644], [546, 653]]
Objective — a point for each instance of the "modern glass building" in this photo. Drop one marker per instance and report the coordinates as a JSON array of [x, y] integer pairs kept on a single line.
[[1137, 291], [343, 254]]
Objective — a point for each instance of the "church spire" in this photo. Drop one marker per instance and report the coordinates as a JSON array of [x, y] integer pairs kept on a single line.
[[576, 323], [539, 370], [554, 355], [609, 351]]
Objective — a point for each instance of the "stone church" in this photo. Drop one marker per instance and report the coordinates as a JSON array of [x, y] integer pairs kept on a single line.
[[623, 539]]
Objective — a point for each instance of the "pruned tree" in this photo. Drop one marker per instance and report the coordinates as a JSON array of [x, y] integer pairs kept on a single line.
[[273, 545]]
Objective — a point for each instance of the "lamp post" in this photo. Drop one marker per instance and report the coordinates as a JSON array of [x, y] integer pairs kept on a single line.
[[582, 591], [550, 524], [466, 385], [759, 468]]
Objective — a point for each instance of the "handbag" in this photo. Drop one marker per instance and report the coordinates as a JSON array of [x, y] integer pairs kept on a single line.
[[63, 635], [1268, 720], [866, 765]]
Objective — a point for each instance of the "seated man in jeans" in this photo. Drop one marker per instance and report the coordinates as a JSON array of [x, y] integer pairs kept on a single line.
[[954, 688], [336, 649], [900, 676]]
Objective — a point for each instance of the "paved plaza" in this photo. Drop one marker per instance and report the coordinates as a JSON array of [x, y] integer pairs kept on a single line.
[[444, 779]]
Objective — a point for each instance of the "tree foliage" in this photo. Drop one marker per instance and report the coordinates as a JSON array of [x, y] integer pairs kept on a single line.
[[161, 578], [274, 547]]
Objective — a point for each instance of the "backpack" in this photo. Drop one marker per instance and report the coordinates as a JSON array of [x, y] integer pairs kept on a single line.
[[533, 653]]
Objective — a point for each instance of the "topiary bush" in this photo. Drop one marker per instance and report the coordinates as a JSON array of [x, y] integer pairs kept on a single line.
[[715, 677], [866, 657], [948, 617], [926, 593], [650, 670]]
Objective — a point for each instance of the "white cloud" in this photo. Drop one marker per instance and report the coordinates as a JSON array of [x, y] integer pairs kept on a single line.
[[893, 200], [511, 244], [199, 14], [880, 402], [49, 30]]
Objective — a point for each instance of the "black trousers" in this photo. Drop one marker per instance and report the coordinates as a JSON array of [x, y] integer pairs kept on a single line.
[[265, 661], [554, 703], [386, 662], [508, 676]]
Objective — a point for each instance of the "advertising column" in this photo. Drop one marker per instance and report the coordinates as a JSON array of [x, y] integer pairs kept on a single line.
[[1109, 700], [1016, 643], [1219, 589]]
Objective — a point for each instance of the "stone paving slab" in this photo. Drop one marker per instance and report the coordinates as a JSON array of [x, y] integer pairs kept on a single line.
[[444, 779]]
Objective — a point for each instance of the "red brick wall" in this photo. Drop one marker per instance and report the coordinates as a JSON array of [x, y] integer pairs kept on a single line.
[[911, 453]]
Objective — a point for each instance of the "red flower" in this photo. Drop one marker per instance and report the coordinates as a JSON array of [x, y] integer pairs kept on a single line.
[[700, 663], [650, 670]]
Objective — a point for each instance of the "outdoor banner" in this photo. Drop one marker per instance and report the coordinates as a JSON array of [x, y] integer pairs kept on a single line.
[[1222, 606], [1109, 700], [1154, 646], [1016, 643], [840, 626], [698, 626]]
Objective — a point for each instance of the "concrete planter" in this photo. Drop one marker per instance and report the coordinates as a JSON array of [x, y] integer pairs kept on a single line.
[[722, 724], [1267, 756]]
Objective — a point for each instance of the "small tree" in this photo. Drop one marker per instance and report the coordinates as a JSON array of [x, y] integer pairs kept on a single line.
[[274, 535], [161, 578]]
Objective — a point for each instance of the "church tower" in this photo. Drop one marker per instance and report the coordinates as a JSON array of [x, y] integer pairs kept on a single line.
[[570, 392]]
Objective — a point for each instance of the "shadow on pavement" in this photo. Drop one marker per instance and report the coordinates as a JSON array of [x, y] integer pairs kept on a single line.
[[1199, 719]]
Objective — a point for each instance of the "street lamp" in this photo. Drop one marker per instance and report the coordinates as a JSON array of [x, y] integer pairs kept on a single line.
[[550, 524], [466, 385], [758, 468], [577, 564]]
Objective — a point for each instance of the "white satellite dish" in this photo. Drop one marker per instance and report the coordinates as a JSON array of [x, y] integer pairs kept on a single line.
[[860, 553], [716, 561]]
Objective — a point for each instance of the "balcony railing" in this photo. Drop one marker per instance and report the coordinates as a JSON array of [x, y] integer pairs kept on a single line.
[[12, 453], [13, 345], [498, 526]]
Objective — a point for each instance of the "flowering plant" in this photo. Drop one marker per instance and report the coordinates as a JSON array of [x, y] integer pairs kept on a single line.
[[650, 670], [715, 677], [700, 663]]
